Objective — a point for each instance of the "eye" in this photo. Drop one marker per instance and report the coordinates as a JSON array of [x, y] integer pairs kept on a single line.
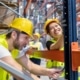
[[52, 27], [26, 37], [56, 25]]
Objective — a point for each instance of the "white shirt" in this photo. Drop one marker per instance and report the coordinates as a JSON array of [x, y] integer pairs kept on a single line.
[[4, 52]]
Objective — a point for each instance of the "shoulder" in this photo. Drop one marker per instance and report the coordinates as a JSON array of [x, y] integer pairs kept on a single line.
[[4, 52], [48, 44], [3, 49]]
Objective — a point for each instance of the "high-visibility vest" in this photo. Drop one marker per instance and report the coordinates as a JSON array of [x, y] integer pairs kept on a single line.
[[4, 75], [35, 45], [53, 63]]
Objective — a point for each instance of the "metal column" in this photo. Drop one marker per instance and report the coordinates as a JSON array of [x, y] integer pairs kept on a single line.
[[74, 31], [69, 36]]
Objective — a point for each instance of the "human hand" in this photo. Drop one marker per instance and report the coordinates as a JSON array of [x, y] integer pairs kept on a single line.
[[26, 50], [31, 50], [23, 51], [55, 73]]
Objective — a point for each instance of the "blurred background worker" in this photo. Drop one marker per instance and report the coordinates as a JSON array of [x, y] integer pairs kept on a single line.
[[16, 38], [36, 44], [54, 29]]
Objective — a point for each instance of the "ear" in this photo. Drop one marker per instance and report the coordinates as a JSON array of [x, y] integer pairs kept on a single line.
[[14, 35]]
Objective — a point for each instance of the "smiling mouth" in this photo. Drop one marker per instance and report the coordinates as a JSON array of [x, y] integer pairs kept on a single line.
[[56, 32]]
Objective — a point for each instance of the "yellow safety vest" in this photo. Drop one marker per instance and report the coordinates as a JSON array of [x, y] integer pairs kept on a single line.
[[4, 75], [53, 63], [36, 45]]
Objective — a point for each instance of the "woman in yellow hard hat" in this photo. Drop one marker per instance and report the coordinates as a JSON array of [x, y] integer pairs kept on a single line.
[[16, 38], [54, 29]]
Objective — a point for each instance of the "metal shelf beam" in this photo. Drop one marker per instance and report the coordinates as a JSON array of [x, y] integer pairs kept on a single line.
[[14, 71]]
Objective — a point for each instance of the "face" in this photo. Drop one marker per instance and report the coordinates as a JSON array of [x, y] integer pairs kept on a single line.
[[35, 37], [55, 30], [21, 41]]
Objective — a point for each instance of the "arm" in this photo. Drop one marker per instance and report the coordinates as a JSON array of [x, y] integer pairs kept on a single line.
[[36, 69], [6, 57], [9, 60], [59, 43], [33, 68]]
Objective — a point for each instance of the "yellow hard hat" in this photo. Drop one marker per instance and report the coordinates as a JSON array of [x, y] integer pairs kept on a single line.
[[23, 24], [37, 34], [49, 21]]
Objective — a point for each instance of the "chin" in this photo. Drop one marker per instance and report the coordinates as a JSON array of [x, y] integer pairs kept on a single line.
[[57, 36]]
